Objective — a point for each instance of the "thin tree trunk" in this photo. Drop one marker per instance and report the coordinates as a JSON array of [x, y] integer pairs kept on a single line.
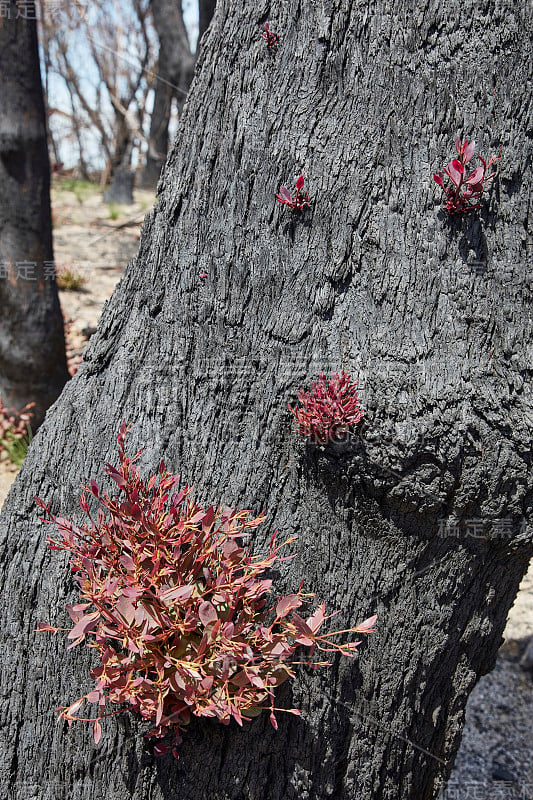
[[122, 175], [432, 316], [158, 139], [33, 365], [174, 75]]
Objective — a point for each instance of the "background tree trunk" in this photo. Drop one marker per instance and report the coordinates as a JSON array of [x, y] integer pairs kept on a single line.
[[174, 74], [431, 315], [122, 175], [33, 363]]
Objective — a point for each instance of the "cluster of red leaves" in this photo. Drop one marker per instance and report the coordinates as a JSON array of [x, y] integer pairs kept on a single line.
[[177, 607], [14, 423], [466, 187], [328, 411], [296, 202], [272, 39]]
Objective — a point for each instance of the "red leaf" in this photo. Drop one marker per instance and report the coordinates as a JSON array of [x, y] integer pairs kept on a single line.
[[437, 177], [159, 712], [161, 748], [300, 182], [209, 518], [44, 626], [115, 475], [207, 613]]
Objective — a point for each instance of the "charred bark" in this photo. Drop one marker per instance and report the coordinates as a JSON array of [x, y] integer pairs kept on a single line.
[[433, 318], [122, 175], [33, 364]]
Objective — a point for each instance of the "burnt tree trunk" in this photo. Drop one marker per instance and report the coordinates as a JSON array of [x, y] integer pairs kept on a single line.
[[33, 363], [122, 175], [433, 318], [175, 69]]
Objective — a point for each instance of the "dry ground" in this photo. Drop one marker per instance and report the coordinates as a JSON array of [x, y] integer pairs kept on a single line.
[[496, 756]]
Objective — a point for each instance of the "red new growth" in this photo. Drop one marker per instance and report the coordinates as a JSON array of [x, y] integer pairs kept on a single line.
[[176, 607], [296, 202], [465, 187], [272, 39], [329, 410]]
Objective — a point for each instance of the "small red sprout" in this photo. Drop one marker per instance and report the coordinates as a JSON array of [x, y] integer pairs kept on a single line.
[[272, 39], [466, 188], [296, 202], [176, 607], [329, 410]]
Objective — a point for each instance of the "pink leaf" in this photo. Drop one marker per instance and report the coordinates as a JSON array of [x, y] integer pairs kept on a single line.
[[179, 593], [287, 604], [74, 610], [71, 710], [453, 174], [84, 625], [284, 193], [475, 176], [316, 619], [97, 731], [469, 152], [368, 624], [273, 721], [207, 613]]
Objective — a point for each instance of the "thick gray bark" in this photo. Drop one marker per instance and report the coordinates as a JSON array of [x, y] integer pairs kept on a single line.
[[33, 363], [432, 317]]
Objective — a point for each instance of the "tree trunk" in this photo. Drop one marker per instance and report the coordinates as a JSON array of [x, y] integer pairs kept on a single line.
[[33, 364], [122, 175], [174, 74], [433, 318]]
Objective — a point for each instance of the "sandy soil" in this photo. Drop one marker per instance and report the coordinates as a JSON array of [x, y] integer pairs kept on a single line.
[[496, 755]]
